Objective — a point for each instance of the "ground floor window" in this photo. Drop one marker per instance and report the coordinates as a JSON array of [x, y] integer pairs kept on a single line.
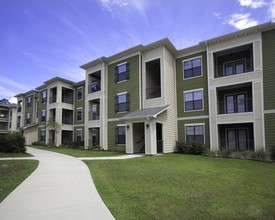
[[194, 133], [120, 135], [43, 135], [237, 139], [79, 135]]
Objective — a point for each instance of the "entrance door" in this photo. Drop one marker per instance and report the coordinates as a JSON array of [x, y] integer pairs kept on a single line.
[[237, 139], [159, 138]]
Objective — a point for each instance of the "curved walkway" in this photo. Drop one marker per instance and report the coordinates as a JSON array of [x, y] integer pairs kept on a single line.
[[60, 188]]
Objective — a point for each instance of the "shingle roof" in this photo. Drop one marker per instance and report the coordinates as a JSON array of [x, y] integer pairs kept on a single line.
[[144, 113]]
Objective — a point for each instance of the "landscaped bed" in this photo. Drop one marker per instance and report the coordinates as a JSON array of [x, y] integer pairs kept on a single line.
[[175, 186], [14, 172], [78, 152]]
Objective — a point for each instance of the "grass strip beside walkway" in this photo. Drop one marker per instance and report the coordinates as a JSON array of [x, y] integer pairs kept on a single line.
[[79, 153], [176, 186], [13, 173]]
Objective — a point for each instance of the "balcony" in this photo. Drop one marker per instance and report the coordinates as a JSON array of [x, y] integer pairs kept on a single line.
[[234, 61], [94, 106], [52, 99], [93, 115], [95, 82], [94, 87], [235, 99], [67, 95], [19, 109], [67, 117], [153, 79], [153, 92]]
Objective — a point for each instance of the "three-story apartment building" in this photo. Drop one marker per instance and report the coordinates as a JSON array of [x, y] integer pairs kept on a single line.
[[219, 93]]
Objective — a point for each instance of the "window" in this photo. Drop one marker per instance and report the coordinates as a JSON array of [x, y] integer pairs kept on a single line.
[[78, 135], [29, 101], [234, 67], [237, 139], [44, 97], [122, 102], [28, 121], [194, 133], [79, 93], [43, 115], [120, 135], [192, 68], [193, 100], [19, 106], [122, 72], [79, 114], [235, 103], [43, 135]]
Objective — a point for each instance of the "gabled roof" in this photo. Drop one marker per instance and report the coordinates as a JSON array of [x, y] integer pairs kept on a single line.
[[58, 79], [145, 113]]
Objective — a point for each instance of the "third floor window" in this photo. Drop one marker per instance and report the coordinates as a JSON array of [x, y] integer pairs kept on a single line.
[[122, 72], [192, 68]]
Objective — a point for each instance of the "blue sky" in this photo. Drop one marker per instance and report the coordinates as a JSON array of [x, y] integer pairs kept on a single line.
[[41, 39]]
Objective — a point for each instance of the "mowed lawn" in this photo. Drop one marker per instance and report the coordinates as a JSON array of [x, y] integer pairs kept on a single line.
[[78, 152], [14, 172], [175, 186]]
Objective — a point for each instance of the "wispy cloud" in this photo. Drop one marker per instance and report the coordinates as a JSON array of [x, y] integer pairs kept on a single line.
[[271, 10], [9, 82], [253, 3], [241, 21]]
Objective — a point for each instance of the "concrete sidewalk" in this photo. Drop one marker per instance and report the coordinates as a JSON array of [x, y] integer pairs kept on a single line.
[[60, 188]]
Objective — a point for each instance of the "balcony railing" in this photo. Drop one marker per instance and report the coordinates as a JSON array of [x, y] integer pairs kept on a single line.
[[67, 121], [237, 145], [94, 115], [94, 87], [153, 92], [235, 107], [52, 99], [19, 109], [234, 67], [67, 99]]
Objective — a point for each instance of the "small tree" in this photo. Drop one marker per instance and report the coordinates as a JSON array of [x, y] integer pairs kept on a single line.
[[54, 126]]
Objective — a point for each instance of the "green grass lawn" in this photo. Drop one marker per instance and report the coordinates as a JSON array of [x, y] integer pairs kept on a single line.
[[3, 155], [175, 186], [79, 153], [12, 173]]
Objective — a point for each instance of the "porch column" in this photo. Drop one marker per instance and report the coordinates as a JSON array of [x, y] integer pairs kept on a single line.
[[150, 138], [129, 138]]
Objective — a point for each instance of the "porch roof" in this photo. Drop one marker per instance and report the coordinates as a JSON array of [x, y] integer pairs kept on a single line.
[[145, 113]]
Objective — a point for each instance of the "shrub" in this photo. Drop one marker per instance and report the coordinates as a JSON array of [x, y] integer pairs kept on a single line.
[[12, 143], [193, 148], [39, 143], [226, 153]]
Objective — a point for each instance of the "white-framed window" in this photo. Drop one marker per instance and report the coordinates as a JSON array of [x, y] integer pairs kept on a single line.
[[43, 115], [120, 134], [28, 119], [44, 97], [122, 72], [78, 135], [194, 133], [29, 101], [79, 93], [43, 135], [193, 100], [122, 102], [79, 114], [192, 67]]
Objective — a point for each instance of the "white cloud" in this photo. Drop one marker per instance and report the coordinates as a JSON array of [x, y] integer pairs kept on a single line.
[[9, 82], [253, 3], [108, 4], [241, 21], [13, 100], [271, 10]]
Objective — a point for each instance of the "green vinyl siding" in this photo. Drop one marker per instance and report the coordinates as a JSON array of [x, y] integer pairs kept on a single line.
[[131, 86], [269, 69], [112, 146], [181, 129], [192, 83], [269, 130], [29, 109]]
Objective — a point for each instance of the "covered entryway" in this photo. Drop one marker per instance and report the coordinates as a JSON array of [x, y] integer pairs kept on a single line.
[[144, 130], [138, 137], [159, 138]]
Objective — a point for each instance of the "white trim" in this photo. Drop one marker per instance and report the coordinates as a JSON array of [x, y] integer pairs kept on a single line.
[[193, 90], [192, 58], [120, 64], [121, 93], [193, 118], [272, 111], [120, 125], [112, 119]]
